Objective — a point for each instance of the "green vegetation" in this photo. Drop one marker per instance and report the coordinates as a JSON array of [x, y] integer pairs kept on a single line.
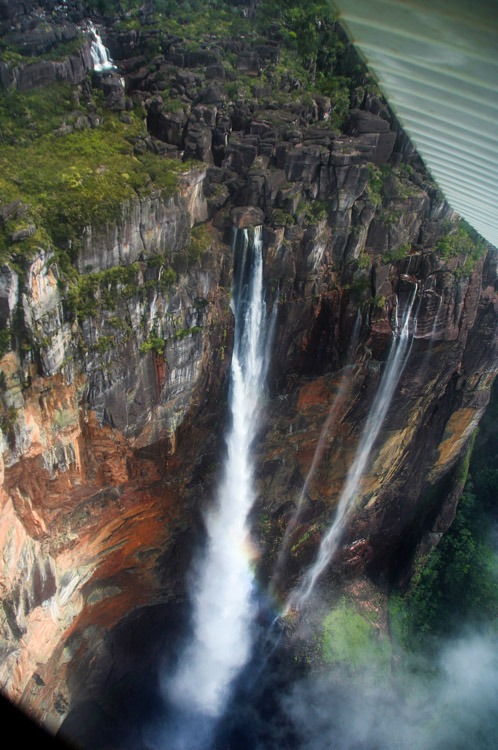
[[311, 34], [153, 343], [375, 180], [5, 339], [350, 640], [314, 211], [88, 294], [464, 242], [283, 218], [71, 180], [458, 586], [182, 333], [379, 302], [200, 241], [363, 261], [25, 117], [397, 253], [14, 54]]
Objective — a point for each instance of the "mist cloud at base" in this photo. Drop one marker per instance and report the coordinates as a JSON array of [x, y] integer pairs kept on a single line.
[[454, 708]]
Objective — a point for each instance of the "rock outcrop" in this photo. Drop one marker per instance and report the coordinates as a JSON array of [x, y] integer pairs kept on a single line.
[[114, 376]]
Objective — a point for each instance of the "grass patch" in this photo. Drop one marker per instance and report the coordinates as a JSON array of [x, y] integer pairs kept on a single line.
[[25, 117], [79, 179], [350, 640]]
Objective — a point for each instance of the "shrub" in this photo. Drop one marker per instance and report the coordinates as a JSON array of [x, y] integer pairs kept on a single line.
[[154, 344]]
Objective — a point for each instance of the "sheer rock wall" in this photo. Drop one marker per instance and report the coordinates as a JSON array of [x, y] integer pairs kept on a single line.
[[113, 422]]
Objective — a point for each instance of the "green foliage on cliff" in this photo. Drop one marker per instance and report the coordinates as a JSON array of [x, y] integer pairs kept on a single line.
[[153, 343], [200, 241], [26, 116], [5, 339], [88, 294], [84, 177], [458, 586], [463, 242]]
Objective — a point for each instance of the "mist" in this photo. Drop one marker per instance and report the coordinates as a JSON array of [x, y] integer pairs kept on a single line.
[[447, 702]]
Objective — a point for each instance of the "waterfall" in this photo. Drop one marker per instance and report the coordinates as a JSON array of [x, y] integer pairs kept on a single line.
[[398, 354], [344, 388], [99, 53], [223, 609]]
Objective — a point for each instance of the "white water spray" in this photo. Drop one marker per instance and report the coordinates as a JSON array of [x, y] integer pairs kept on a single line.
[[400, 349], [99, 53], [223, 610]]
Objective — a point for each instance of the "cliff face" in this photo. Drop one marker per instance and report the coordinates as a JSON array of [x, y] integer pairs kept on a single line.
[[114, 387]]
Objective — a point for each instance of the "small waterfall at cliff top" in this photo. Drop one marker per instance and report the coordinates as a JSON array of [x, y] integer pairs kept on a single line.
[[398, 355], [223, 609], [100, 54]]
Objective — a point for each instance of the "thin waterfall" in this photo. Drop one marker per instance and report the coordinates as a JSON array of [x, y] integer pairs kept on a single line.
[[398, 354], [100, 54], [222, 603], [344, 388]]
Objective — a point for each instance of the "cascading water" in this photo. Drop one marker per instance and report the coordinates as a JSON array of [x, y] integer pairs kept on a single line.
[[99, 53], [344, 386], [398, 355], [223, 610]]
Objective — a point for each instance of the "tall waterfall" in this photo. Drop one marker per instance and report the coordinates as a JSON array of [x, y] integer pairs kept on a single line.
[[223, 610], [396, 360]]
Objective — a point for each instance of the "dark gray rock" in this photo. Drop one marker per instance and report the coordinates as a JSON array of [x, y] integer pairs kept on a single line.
[[216, 71], [249, 63], [212, 95], [167, 126], [45, 72], [12, 210], [247, 216], [239, 156], [198, 141], [360, 122], [348, 182], [202, 57], [23, 234], [302, 163]]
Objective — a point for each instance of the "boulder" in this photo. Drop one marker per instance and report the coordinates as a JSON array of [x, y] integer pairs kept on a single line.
[[249, 63], [198, 141], [23, 234], [239, 155], [216, 71], [200, 57], [302, 163], [247, 216], [212, 95], [348, 182], [360, 122]]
